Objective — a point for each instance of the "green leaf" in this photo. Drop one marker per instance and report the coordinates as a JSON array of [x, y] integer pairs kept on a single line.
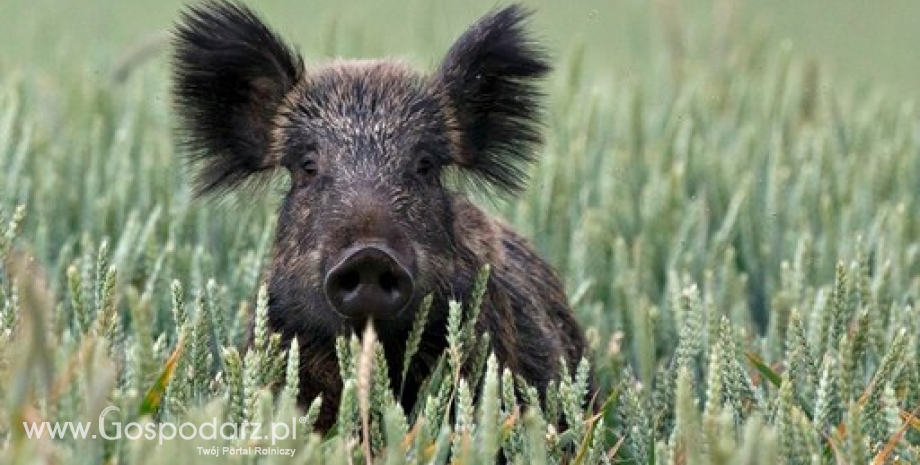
[[151, 403]]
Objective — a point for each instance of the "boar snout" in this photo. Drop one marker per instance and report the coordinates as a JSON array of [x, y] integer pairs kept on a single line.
[[369, 281]]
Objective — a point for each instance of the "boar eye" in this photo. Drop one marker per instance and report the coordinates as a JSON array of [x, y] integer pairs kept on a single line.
[[424, 165], [307, 155], [308, 165]]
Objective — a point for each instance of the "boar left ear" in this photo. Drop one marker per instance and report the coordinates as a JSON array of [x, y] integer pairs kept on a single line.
[[490, 81], [231, 74]]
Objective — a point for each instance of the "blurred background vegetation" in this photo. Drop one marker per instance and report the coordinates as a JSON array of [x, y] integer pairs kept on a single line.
[[858, 40]]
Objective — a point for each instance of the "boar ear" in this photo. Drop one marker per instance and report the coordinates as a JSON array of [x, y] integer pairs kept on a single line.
[[490, 81], [231, 73]]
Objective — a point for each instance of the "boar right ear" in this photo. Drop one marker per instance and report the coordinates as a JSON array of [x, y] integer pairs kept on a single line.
[[231, 73], [490, 80]]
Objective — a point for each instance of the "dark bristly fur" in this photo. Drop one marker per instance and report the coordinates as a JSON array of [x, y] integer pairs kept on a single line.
[[366, 144], [231, 73], [489, 76]]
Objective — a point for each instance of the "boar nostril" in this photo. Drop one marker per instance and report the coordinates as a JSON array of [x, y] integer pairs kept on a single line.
[[388, 282], [369, 281], [349, 281]]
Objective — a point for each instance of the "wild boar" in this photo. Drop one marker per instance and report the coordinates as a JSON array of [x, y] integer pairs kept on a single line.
[[369, 225]]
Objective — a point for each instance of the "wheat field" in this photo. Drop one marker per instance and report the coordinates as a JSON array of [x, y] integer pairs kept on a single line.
[[736, 218]]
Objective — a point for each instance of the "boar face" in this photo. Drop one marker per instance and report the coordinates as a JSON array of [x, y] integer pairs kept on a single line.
[[364, 230], [367, 227]]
